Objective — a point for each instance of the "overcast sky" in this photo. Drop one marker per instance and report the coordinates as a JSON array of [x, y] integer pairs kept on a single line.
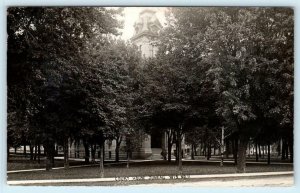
[[131, 15]]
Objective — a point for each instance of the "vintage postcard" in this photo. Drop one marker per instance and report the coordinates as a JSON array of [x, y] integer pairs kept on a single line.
[[156, 96]]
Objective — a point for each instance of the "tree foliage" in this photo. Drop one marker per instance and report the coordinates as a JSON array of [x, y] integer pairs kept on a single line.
[[229, 67], [71, 73]]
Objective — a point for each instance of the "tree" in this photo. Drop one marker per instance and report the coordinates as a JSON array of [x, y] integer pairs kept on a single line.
[[177, 92], [44, 47], [124, 59], [248, 72], [170, 105], [239, 54]]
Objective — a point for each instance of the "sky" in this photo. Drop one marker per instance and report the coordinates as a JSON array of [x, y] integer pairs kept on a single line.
[[131, 15]]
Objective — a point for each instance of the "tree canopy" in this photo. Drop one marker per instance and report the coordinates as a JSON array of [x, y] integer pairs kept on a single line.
[[229, 67]]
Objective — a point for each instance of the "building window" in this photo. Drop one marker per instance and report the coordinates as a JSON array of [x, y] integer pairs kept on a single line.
[[152, 50]]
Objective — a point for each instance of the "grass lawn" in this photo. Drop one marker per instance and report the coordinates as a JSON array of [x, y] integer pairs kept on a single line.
[[153, 168], [22, 163], [19, 162]]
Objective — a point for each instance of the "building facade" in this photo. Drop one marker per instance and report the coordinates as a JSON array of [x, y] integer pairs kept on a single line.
[[146, 30]]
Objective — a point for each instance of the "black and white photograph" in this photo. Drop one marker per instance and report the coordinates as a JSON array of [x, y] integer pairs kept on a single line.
[[150, 96]]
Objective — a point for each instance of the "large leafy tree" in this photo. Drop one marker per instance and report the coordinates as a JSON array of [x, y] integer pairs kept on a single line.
[[113, 65], [179, 94], [241, 61], [246, 48], [173, 93], [45, 48]]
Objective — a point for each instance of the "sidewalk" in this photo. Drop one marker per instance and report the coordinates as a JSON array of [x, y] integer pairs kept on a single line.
[[274, 181], [149, 178]]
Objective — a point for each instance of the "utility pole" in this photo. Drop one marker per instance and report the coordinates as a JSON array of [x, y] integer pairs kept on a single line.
[[222, 147]]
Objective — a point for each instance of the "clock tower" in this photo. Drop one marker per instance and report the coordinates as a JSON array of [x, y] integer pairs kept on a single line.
[[146, 31]]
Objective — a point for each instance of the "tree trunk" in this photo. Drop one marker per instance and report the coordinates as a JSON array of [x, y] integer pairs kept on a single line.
[[48, 162], [287, 151], [39, 153], [259, 151], [78, 148], [86, 151], [66, 153], [170, 143], [52, 154], [176, 152], [31, 151], [208, 151], [128, 159], [235, 151], [227, 149], [7, 151], [48, 157], [242, 150], [204, 149], [179, 151], [222, 148], [25, 152], [101, 160], [284, 152], [169, 150], [192, 155], [200, 147], [279, 148], [117, 151], [233, 147], [93, 152], [256, 153], [291, 149], [103, 152], [35, 152], [249, 150], [269, 153]]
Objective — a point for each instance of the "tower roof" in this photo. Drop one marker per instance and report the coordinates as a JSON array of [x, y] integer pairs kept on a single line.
[[147, 24], [147, 10]]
